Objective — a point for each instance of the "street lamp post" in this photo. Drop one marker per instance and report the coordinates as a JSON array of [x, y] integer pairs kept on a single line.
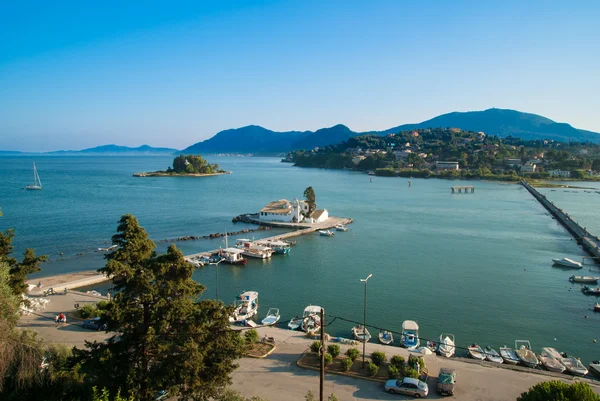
[[217, 276], [365, 319]]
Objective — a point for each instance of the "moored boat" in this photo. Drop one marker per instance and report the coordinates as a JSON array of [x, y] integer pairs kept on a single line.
[[476, 352], [432, 346], [233, 256], [278, 247], [258, 252], [311, 319], [446, 346], [595, 368], [509, 356], [492, 355], [590, 291], [341, 227], [574, 366], [597, 307], [526, 355], [295, 323], [361, 333], [566, 262], [246, 307], [385, 337], [326, 233], [584, 279], [550, 360], [410, 335], [272, 317]]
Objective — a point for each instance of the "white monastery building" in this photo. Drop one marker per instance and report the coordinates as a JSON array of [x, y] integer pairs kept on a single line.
[[293, 212]]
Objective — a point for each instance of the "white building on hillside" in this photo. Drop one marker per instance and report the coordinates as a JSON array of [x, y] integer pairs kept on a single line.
[[528, 168], [559, 173], [446, 165], [285, 211]]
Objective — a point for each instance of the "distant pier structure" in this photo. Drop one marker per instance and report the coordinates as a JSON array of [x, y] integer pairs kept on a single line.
[[464, 188]]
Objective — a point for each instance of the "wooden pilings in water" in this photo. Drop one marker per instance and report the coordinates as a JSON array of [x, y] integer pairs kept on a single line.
[[463, 188]]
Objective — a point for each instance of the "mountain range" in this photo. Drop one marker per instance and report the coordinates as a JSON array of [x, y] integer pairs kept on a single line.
[[104, 150], [500, 122]]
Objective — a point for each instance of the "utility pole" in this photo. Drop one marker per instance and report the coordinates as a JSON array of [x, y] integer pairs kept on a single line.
[[365, 319], [322, 378]]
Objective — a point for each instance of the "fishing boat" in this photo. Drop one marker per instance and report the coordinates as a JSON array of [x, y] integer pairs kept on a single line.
[[37, 184], [509, 356], [550, 360], [385, 337], [258, 252], [246, 307], [574, 366], [595, 368], [432, 346], [446, 345], [233, 256], [525, 354], [272, 317], [311, 319], [295, 323], [278, 247], [597, 307], [476, 352], [584, 279], [566, 262], [361, 333], [341, 227], [590, 291], [410, 335], [492, 355], [326, 233]]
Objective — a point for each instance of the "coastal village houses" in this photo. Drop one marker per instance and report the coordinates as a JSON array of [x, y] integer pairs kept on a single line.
[[291, 212], [560, 173]]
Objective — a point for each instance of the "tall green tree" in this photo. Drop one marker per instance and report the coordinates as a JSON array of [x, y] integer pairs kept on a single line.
[[168, 339], [309, 195], [596, 165], [19, 271]]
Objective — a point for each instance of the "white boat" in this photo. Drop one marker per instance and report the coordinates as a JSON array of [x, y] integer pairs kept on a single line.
[[574, 366], [525, 354], [550, 360], [107, 249], [476, 352], [590, 291], [311, 319], [341, 227], [568, 263], [295, 323], [446, 346], [509, 355], [595, 368], [361, 333], [326, 233], [597, 307], [233, 256], [258, 252], [386, 337], [584, 279], [272, 317], [410, 335], [37, 184], [492, 355], [278, 247], [246, 307]]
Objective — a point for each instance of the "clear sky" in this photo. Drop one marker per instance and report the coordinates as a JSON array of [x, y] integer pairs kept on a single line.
[[76, 74]]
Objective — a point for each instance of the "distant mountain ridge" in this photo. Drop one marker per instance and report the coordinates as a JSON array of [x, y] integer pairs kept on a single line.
[[105, 150], [501, 122]]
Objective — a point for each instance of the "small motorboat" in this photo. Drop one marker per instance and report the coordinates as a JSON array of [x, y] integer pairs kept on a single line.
[[526, 355], [574, 366], [446, 346], [326, 233], [361, 333], [590, 291], [272, 317], [246, 306], [311, 324], [432, 345], [595, 368], [295, 323], [410, 335], [550, 360], [341, 227], [597, 307], [584, 279], [492, 355], [509, 356], [566, 262], [385, 337], [476, 352]]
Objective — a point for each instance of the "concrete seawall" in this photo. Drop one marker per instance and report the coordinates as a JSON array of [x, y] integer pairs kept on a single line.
[[588, 241]]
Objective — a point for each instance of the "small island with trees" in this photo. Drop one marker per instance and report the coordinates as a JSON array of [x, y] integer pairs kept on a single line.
[[187, 166]]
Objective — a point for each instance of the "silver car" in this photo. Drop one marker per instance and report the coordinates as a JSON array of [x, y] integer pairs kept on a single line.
[[408, 386]]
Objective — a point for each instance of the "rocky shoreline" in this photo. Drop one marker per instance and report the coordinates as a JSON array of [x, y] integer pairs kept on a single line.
[[165, 174]]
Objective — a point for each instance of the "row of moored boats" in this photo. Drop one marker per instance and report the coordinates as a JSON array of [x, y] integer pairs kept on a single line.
[[570, 263]]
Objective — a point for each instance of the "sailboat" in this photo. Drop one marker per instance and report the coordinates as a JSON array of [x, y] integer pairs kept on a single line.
[[37, 184]]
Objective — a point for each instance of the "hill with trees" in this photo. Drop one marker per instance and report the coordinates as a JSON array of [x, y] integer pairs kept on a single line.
[[189, 165]]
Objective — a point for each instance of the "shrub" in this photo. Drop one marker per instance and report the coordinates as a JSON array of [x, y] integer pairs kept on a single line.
[[393, 372], [88, 311], [101, 305], [347, 364], [372, 369], [410, 372], [398, 361], [353, 353], [327, 358], [413, 361], [558, 390], [251, 336], [316, 347], [421, 363], [334, 350], [378, 358]]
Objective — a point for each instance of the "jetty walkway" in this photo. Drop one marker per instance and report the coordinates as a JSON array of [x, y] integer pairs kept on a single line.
[[590, 243]]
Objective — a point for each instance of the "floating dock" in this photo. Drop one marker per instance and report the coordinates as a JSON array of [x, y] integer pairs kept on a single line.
[[463, 188], [588, 241]]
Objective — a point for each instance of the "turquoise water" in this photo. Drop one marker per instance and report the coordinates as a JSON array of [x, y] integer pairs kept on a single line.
[[476, 265]]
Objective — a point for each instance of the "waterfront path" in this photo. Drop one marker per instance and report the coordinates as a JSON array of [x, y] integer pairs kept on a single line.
[[589, 242]]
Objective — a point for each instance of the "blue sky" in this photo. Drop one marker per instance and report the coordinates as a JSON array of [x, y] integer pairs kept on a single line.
[[80, 74]]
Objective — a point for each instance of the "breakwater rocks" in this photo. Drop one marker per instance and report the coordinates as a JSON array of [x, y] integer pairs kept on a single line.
[[219, 235]]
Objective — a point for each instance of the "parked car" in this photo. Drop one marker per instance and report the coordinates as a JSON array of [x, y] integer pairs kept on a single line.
[[408, 386], [94, 324], [446, 381]]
